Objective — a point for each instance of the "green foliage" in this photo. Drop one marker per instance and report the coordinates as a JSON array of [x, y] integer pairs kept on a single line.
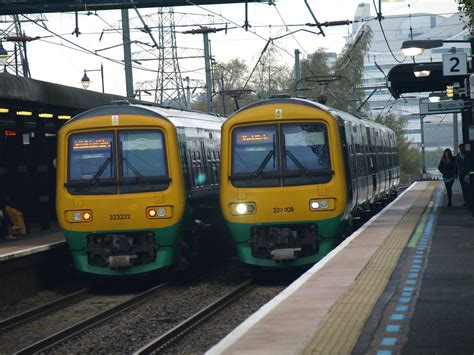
[[350, 68], [270, 76], [313, 70], [410, 157], [467, 6], [232, 75]]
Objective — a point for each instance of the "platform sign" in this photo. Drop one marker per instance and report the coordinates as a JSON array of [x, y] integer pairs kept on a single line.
[[454, 64], [445, 106]]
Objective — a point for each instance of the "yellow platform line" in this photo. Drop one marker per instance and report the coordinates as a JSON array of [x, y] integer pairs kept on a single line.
[[342, 327]]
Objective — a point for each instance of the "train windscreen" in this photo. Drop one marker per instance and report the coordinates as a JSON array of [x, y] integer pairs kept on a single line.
[[300, 148], [95, 168]]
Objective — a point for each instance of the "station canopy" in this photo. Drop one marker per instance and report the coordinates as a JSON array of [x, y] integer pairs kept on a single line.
[[16, 7], [401, 78]]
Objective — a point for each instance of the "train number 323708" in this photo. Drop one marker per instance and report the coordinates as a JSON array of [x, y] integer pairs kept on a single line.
[[283, 209], [114, 217]]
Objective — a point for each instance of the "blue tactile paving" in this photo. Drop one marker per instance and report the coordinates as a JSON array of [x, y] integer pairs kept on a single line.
[[397, 316], [413, 274], [407, 294], [401, 308], [384, 352], [392, 328], [410, 282], [388, 341], [405, 299]]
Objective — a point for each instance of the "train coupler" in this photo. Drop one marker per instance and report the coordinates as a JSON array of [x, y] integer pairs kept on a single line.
[[121, 250], [284, 242], [285, 254], [120, 261]]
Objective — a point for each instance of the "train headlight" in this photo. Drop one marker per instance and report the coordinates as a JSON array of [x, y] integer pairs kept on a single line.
[[159, 212], [322, 204], [243, 208], [78, 216]]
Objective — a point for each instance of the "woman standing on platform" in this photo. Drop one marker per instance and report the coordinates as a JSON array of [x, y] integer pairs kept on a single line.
[[447, 167]]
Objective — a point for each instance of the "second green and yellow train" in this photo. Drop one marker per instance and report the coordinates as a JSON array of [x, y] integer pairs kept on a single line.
[[295, 174]]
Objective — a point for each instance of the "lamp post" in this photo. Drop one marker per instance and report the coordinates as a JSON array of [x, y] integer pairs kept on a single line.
[[411, 48], [85, 81]]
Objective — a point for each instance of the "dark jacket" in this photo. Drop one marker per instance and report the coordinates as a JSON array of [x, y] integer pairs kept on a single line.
[[461, 170], [447, 168]]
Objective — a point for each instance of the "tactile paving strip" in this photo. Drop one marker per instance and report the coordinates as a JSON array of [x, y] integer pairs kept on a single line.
[[342, 327]]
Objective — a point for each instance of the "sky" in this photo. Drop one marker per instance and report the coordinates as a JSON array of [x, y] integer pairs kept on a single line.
[[61, 57]]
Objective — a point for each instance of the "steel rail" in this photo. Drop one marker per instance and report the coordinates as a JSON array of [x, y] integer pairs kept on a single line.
[[53, 305], [90, 322], [174, 333]]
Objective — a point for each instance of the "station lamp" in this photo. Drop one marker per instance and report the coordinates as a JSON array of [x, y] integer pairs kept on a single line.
[[421, 71], [435, 97], [417, 47], [85, 81]]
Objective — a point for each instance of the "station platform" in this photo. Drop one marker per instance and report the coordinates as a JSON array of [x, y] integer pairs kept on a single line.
[[402, 284], [37, 241]]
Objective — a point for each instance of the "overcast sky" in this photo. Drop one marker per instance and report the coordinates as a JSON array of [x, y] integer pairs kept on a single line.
[[61, 57]]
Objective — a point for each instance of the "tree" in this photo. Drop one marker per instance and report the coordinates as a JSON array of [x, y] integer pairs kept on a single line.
[[343, 93], [467, 6], [410, 157], [313, 71], [228, 77], [270, 76]]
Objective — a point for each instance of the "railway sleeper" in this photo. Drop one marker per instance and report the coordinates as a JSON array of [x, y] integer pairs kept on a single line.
[[118, 251], [284, 242]]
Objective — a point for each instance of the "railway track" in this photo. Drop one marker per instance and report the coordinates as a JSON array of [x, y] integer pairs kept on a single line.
[[182, 328], [163, 320], [38, 320], [44, 309]]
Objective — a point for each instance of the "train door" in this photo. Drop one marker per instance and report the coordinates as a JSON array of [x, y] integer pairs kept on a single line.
[[361, 178], [372, 181], [365, 162], [379, 162], [351, 161]]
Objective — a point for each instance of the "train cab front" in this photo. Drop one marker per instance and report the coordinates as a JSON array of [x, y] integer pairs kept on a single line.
[[120, 203], [280, 196]]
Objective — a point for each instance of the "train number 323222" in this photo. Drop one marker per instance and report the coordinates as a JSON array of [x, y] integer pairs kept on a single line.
[[114, 217], [283, 209]]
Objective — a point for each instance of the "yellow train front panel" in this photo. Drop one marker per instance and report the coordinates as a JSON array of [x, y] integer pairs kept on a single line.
[[283, 182], [113, 190]]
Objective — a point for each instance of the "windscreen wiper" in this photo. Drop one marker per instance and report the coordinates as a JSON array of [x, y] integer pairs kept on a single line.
[[300, 166], [99, 172], [139, 175], [262, 165]]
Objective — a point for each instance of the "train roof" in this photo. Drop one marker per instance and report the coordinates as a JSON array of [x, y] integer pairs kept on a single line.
[[179, 118], [337, 114]]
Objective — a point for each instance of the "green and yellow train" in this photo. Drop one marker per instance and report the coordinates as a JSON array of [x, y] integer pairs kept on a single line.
[[131, 180], [294, 173]]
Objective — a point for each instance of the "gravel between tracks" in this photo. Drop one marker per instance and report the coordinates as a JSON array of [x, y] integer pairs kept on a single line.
[[129, 331], [15, 338], [201, 339]]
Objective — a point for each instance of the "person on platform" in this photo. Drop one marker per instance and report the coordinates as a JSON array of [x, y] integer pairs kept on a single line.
[[447, 167], [7, 224], [462, 174]]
